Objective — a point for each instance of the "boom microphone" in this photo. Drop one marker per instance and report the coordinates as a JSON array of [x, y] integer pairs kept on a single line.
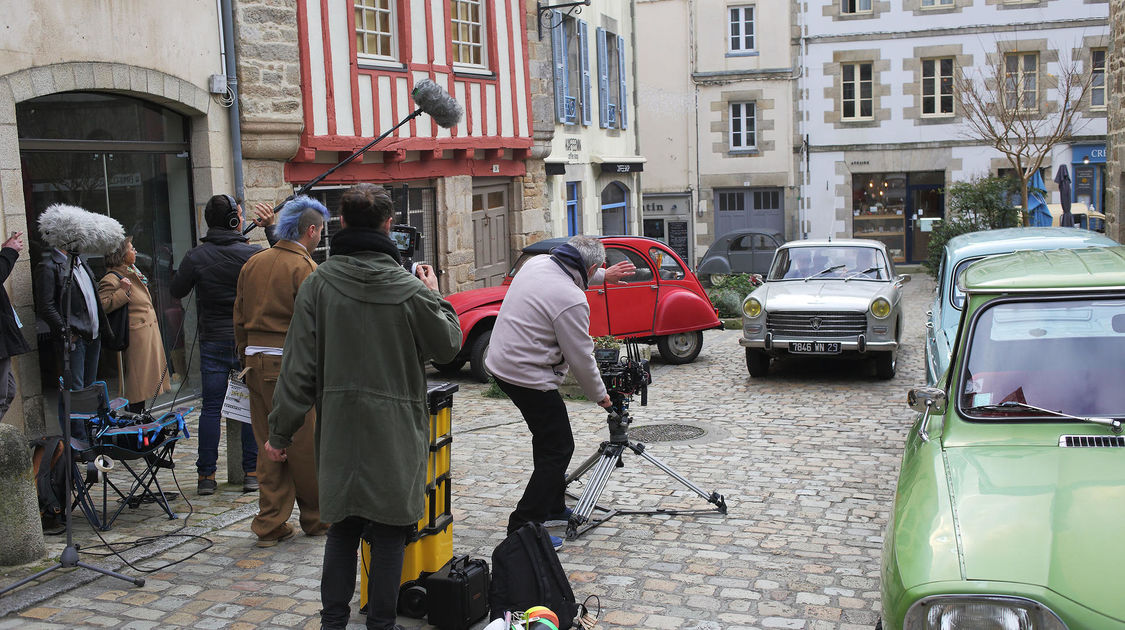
[[73, 229], [433, 100]]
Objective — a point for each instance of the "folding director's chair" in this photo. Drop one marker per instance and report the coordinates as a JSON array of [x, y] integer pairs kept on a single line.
[[141, 443]]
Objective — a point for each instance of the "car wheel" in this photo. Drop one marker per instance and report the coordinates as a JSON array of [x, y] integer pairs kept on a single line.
[[452, 367], [681, 347], [477, 355], [757, 362], [885, 363], [716, 278]]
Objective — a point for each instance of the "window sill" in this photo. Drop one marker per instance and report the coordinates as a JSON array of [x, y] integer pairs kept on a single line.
[[743, 53], [744, 152], [379, 64], [473, 71]]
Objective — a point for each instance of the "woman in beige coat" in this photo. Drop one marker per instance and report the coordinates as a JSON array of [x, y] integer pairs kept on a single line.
[[146, 367]]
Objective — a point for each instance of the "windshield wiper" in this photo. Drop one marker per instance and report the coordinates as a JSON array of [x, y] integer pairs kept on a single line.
[[860, 273], [1011, 405], [824, 271]]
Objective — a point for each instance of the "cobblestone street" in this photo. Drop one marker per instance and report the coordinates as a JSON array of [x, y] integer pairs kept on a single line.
[[806, 459]]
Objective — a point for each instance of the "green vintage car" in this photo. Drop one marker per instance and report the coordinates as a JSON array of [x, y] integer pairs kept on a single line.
[[1012, 485]]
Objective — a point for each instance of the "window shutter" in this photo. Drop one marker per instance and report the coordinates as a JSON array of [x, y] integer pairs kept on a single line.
[[584, 63], [603, 79], [623, 103], [558, 50]]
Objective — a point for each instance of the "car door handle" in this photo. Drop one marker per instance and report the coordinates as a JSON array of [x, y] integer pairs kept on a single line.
[[930, 313], [930, 325], [653, 287], [601, 291]]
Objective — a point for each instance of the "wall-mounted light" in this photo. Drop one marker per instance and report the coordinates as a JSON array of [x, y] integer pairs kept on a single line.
[[1086, 160]]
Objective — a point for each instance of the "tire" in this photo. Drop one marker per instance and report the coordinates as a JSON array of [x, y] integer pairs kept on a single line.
[[885, 363], [757, 362], [477, 354], [680, 348], [412, 600], [716, 278], [450, 368]]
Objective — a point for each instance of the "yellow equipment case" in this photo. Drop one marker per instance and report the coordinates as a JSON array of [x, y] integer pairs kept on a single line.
[[432, 545]]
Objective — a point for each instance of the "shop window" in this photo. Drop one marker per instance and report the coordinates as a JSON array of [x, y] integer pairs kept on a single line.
[[1021, 81], [743, 136], [856, 99], [1097, 81], [468, 27], [376, 30], [741, 29], [937, 87]]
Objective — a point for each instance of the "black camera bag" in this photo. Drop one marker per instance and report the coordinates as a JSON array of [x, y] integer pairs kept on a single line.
[[457, 594], [526, 572]]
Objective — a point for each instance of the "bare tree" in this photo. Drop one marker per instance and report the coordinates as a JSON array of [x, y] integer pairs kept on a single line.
[[1009, 107]]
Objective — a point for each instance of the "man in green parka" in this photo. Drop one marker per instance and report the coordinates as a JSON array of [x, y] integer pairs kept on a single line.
[[363, 329]]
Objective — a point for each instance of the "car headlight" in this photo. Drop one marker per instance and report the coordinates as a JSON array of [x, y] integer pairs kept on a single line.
[[752, 307], [880, 308], [980, 611]]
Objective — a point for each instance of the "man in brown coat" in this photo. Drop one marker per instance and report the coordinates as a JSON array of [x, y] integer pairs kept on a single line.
[[263, 306]]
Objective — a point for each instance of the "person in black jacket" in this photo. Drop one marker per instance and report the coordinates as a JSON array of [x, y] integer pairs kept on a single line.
[[81, 332], [212, 268], [11, 339]]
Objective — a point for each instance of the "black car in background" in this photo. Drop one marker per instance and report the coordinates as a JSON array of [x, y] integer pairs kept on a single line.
[[739, 251]]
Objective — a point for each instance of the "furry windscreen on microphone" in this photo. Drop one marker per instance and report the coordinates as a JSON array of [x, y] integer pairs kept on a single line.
[[71, 228], [432, 99]]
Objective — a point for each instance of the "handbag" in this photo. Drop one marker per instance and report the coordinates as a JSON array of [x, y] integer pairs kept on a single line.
[[118, 329]]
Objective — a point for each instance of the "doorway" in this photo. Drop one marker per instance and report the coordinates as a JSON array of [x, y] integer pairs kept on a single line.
[[490, 235], [925, 207], [130, 160]]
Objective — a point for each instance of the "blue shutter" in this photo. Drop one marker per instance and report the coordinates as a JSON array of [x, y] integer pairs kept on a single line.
[[603, 80], [558, 50], [623, 104], [584, 64]]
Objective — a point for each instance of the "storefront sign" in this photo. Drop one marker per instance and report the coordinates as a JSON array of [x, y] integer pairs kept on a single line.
[[1095, 153], [622, 167], [1084, 180]]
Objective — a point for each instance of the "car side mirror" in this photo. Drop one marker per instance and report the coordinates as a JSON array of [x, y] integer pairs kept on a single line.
[[904, 278], [923, 399]]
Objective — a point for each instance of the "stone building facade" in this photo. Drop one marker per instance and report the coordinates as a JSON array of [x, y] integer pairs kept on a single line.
[[1115, 134]]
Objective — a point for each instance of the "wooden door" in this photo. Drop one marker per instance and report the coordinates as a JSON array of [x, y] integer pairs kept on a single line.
[[490, 235]]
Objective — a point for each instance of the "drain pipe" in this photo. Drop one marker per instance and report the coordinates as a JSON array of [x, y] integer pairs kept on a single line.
[[227, 19]]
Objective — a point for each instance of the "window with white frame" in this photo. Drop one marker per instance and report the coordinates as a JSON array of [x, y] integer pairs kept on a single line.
[[742, 127], [375, 30], [937, 87], [613, 97], [1097, 81], [931, 4], [741, 29], [856, 99], [1021, 81], [467, 27], [570, 50], [855, 6]]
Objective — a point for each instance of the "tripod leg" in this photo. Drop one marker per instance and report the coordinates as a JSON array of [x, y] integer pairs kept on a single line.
[[586, 465], [713, 497], [137, 581], [611, 454]]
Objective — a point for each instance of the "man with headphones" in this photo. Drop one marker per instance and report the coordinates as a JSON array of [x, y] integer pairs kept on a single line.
[[212, 268]]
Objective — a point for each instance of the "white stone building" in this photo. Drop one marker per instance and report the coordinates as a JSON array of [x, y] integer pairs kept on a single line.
[[593, 169], [880, 122], [716, 109]]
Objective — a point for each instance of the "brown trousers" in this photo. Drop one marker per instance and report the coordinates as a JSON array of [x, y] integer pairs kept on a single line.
[[281, 482]]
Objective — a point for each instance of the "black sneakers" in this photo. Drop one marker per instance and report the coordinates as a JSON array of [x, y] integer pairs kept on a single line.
[[206, 486]]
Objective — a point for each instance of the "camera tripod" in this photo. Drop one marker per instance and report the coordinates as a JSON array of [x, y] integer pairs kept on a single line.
[[608, 457]]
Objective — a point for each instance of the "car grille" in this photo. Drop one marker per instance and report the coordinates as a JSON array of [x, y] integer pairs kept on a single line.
[[1092, 441], [816, 324]]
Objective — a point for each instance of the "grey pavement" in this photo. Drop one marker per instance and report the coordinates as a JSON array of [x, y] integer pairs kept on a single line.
[[806, 459]]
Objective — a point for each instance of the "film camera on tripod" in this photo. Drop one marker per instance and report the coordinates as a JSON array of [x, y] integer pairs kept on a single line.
[[624, 377]]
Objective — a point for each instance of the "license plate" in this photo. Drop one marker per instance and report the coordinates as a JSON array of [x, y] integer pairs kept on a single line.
[[814, 347]]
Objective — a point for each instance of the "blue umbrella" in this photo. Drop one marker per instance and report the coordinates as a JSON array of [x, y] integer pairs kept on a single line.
[[1062, 178], [1038, 215]]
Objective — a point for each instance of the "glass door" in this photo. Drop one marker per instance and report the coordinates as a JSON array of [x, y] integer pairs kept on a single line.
[[925, 208]]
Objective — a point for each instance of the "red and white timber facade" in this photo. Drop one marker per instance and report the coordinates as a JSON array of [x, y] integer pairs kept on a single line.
[[451, 179]]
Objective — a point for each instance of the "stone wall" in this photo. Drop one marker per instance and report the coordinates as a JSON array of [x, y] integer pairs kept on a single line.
[[532, 222], [1115, 135], [269, 86]]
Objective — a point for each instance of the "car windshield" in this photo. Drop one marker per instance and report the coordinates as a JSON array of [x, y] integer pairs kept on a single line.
[[1062, 355], [829, 261]]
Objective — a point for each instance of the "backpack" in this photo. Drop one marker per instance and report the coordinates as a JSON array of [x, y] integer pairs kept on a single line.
[[117, 332], [48, 466], [526, 572]]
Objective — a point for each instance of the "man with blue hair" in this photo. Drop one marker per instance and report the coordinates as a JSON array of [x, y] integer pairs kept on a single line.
[[263, 307]]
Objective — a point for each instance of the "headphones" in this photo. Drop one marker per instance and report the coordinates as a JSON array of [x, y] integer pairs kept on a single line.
[[232, 216]]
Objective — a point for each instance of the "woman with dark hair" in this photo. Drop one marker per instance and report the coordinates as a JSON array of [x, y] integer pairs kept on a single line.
[[124, 286]]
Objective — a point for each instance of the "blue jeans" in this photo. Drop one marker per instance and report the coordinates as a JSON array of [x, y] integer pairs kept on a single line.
[[216, 360], [84, 367]]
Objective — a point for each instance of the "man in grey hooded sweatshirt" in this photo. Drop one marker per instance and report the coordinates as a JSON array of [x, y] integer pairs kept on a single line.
[[542, 331]]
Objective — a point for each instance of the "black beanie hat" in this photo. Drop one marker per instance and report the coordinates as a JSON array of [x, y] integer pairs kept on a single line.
[[218, 212]]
